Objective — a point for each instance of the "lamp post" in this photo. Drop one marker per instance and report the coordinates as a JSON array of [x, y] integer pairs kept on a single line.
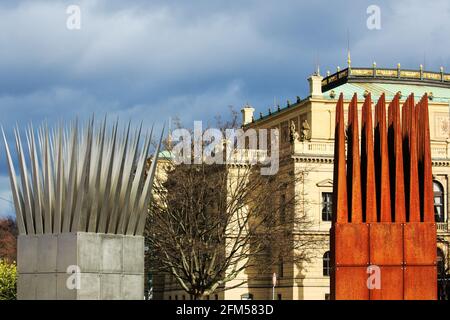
[[274, 283]]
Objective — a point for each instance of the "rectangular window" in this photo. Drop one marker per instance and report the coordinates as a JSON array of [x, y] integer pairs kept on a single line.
[[281, 268], [283, 209], [326, 264], [327, 206]]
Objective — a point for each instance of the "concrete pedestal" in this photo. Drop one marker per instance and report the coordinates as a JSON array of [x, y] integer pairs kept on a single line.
[[106, 266]]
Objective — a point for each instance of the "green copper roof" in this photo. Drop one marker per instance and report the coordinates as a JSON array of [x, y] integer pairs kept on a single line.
[[165, 155], [390, 89], [378, 81]]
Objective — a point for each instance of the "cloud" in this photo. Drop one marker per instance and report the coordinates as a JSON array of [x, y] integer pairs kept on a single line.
[[412, 33], [149, 60], [121, 58], [6, 206]]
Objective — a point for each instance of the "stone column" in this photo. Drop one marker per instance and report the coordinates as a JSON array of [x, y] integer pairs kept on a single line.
[[315, 85], [247, 114], [79, 266]]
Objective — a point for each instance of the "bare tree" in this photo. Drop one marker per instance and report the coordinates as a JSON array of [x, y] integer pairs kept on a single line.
[[210, 223], [8, 239]]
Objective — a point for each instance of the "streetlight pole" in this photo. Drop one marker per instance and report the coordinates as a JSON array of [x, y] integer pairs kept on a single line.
[[274, 283]]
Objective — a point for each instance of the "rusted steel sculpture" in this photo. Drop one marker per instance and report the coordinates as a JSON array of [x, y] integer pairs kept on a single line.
[[383, 236]]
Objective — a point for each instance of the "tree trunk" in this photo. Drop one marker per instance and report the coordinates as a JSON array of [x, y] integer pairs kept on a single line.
[[199, 295]]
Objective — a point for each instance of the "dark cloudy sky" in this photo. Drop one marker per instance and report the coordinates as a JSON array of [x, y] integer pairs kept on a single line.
[[148, 60]]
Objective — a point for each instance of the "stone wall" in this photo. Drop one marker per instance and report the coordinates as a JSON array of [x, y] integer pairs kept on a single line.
[[110, 266]]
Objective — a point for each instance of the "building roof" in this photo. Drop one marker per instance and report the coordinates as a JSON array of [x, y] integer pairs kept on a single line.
[[390, 90], [389, 81], [377, 81], [166, 154]]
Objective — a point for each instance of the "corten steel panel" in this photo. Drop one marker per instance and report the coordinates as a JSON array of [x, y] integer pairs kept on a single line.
[[420, 282], [340, 205], [382, 162], [351, 283], [409, 129], [386, 244], [403, 242], [351, 244], [425, 171], [367, 163], [398, 198], [420, 243], [353, 163], [391, 280]]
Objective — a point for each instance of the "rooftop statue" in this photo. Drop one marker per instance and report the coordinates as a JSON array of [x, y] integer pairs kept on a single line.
[[293, 134]]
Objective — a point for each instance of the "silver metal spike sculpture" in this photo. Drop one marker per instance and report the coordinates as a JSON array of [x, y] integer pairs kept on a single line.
[[86, 184]]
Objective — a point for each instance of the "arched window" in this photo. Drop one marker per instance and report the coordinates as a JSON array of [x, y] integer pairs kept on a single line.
[[326, 264], [438, 202]]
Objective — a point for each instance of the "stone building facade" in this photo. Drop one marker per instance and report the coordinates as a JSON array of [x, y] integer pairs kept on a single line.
[[307, 145]]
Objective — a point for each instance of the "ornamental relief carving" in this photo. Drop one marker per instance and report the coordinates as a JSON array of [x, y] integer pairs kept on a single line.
[[441, 125]]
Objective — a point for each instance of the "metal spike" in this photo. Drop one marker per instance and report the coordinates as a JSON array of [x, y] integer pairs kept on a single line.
[[81, 179], [367, 163], [353, 164], [382, 161], [17, 198]]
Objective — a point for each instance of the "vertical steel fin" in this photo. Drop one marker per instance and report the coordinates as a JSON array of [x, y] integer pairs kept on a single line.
[[413, 213], [117, 179], [59, 180], [105, 212], [146, 193], [81, 179], [398, 187], [25, 185], [137, 189], [35, 174], [17, 197], [353, 163], [425, 165], [127, 183], [340, 205], [71, 182], [382, 162], [367, 163]]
